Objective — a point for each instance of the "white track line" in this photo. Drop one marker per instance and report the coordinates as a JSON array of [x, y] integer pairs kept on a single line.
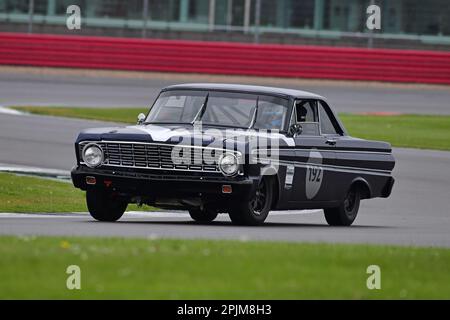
[[6, 215], [33, 170], [83, 215], [5, 110], [132, 214]]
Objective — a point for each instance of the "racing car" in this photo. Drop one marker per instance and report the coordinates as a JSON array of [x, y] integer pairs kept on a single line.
[[241, 150]]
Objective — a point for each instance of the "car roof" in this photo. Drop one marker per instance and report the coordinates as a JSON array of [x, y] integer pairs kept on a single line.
[[245, 89]]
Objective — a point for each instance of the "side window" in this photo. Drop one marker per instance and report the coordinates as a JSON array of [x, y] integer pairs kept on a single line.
[[306, 115], [327, 126], [306, 111]]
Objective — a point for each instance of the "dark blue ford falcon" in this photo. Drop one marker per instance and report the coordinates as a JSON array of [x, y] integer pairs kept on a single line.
[[236, 149]]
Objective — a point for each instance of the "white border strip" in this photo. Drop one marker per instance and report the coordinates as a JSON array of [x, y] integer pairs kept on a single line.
[[12, 168], [135, 214], [6, 110]]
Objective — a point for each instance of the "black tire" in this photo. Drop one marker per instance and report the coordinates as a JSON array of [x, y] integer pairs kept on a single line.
[[254, 211], [205, 215], [346, 213], [105, 206]]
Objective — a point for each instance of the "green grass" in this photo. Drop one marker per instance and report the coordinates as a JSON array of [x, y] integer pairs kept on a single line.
[[413, 131], [202, 269], [126, 115], [32, 194]]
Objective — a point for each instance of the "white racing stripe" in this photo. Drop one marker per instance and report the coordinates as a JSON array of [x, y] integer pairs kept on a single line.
[[163, 134], [160, 133]]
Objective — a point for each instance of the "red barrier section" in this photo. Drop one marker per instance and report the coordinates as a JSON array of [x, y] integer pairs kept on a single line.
[[225, 58]]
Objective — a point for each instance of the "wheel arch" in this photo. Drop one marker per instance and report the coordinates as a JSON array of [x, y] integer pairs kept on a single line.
[[275, 179], [271, 173]]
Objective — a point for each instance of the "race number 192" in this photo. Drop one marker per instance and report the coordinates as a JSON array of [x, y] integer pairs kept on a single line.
[[314, 174]]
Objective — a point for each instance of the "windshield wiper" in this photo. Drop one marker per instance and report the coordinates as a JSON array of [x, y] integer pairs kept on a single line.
[[200, 112], [255, 114]]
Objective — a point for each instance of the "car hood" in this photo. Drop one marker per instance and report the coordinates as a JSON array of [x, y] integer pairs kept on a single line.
[[183, 134]]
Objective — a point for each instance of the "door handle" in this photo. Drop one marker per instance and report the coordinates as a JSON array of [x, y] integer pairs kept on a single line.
[[331, 142]]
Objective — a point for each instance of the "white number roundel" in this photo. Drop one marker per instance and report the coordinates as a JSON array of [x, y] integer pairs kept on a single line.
[[314, 174]]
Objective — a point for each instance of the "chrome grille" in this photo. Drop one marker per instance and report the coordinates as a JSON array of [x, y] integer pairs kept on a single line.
[[156, 156]]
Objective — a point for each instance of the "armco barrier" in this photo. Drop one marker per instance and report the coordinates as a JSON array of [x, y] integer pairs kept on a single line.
[[225, 58]]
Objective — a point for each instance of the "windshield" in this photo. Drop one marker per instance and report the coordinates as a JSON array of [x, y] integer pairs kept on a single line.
[[219, 109], [176, 107]]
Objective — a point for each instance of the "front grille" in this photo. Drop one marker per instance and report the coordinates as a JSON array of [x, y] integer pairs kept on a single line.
[[157, 156]]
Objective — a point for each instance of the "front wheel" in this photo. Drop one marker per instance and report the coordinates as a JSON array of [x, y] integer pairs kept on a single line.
[[254, 211], [203, 215], [346, 213], [105, 206]]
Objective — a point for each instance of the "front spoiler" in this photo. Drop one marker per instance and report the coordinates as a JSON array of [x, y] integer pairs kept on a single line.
[[136, 183]]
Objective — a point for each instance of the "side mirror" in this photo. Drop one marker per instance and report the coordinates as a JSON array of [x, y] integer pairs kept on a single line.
[[141, 118], [295, 130]]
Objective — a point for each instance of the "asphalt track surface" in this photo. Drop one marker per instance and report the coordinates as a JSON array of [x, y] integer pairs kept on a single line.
[[417, 213], [75, 90]]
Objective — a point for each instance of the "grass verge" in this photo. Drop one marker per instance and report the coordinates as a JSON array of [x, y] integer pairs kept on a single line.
[[203, 269], [412, 131], [126, 115], [408, 130], [31, 194]]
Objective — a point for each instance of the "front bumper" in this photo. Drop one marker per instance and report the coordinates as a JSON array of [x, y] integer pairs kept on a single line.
[[137, 183]]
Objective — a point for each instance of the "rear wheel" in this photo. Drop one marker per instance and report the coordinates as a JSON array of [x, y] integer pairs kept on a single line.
[[105, 206], [254, 211], [205, 215], [346, 213]]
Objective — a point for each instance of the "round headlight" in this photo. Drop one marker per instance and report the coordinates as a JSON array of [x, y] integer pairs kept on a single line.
[[92, 155], [228, 164]]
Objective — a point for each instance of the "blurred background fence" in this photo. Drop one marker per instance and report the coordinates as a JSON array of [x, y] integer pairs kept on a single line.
[[412, 24], [225, 58]]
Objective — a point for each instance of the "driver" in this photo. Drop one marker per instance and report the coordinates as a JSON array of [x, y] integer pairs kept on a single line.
[[273, 116], [301, 113]]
